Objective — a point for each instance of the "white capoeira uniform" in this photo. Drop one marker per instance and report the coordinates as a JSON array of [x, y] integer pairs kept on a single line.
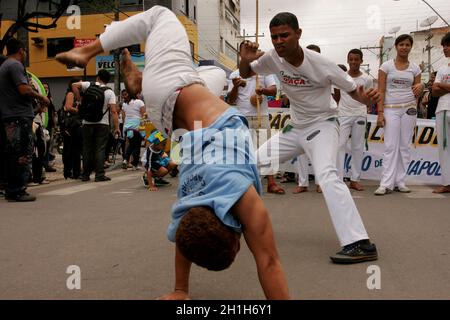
[[352, 122], [168, 61], [244, 105], [443, 125], [302, 170], [303, 161], [400, 113], [313, 130]]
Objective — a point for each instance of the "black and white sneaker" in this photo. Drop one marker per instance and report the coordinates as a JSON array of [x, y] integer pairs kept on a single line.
[[145, 180], [161, 182], [359, 251]]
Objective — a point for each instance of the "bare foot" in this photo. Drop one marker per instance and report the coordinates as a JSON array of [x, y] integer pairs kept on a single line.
[[274, 188], [356, 186], [442, 189], [299, 189], [176, 295], [75, 57], [132, 75]]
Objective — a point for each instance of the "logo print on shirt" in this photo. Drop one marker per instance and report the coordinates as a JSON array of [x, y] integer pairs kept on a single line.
[[295, 80], [193, 184], [313, 135], [411, 112], [400, 83]]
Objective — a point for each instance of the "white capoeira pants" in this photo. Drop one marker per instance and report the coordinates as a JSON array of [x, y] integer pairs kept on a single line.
[[168, 60], [443, 134], [319, 141], [303, 170], [356, 127], [399, 127]]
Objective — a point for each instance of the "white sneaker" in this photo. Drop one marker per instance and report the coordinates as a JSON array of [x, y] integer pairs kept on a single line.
[[381, 191], [403, 189]]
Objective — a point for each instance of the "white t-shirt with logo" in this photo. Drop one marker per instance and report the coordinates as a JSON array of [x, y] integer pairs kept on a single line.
[[349, 107], [132, 109], [244, 93], [308, 87], [399, 83], [443, 76], [110, 98]]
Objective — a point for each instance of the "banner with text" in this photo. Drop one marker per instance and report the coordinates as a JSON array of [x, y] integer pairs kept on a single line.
[[107, 62], [423, 168]]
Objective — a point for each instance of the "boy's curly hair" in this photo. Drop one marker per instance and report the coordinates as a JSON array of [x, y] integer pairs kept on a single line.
[[203, 239]]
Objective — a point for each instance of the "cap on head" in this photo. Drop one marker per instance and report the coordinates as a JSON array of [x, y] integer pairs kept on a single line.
[[156, 137]]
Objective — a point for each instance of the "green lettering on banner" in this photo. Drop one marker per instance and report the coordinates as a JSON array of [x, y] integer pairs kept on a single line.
[[286, 117]]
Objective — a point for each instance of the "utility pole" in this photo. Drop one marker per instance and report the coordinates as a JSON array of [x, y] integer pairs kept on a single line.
[[243, 37], [428, 48], [370, 49], [116, 54]]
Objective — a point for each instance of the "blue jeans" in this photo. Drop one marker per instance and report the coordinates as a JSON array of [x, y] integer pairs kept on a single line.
[[19, 149]]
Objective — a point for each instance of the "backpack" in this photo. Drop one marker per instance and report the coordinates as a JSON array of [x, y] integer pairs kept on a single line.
[[91, 108]]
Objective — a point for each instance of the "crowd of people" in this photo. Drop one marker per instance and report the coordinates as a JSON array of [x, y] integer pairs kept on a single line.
[[219, 199]]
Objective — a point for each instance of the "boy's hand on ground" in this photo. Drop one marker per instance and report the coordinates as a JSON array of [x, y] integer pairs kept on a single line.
[[152, 189], [176, 295]]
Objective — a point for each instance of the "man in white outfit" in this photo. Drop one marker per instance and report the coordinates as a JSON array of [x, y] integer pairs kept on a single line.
[[307, 77], [441, 88], [243, 94], [352, 122]]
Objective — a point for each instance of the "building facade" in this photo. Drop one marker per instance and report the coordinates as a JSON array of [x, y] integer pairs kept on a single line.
[[94, 15], [219, 30]]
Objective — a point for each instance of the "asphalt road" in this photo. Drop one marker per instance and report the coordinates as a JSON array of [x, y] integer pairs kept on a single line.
[[115, 232]]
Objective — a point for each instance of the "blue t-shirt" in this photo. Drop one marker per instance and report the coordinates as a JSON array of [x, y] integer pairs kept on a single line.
[[217, 167]]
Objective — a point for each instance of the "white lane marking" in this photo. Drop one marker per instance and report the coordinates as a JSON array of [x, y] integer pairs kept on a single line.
[[70, 190], [88, 186]]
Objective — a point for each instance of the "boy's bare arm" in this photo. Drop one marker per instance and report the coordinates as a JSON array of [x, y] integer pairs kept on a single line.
[[258, 233], [151, 185], [182, 271]]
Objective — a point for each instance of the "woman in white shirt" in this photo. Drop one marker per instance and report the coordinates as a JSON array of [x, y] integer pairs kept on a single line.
[[133, 110], [399, 86]]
